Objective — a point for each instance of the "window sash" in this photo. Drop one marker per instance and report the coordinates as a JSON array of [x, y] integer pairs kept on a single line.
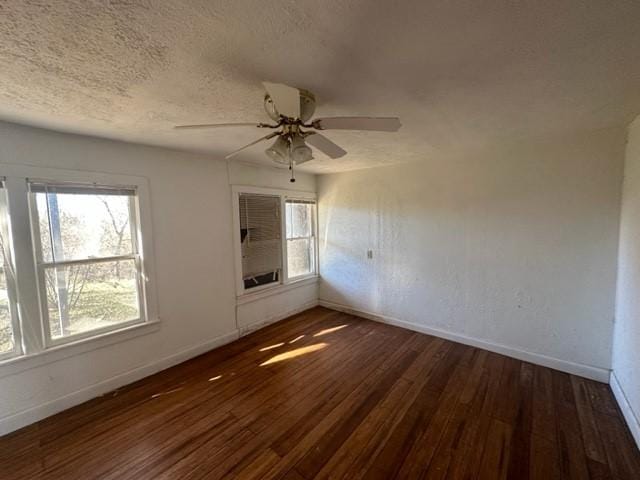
[[301, 238], [310, 220], [312, 257], [43, 186], [41, 266], [313, 247], [85, 261], [49, 341], [40, 188], [301, 201]]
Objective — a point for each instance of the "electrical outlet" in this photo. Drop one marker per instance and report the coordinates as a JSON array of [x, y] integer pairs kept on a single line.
[[369, 254]]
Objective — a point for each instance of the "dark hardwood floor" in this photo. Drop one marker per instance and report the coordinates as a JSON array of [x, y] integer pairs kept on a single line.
[[324, 394]]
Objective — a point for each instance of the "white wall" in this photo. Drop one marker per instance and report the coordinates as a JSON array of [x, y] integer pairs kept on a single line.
[[625, 380], [258, 176], [512, 249], [257, 310], [191, 215]]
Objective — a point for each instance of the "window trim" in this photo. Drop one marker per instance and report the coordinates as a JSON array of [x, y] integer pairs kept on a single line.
[[18, 364], [31, 328], [284, 195]]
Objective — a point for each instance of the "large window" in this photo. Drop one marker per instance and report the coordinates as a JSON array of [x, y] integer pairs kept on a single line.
[[76, 267], [300, 237], [89, 268], [274, 226]]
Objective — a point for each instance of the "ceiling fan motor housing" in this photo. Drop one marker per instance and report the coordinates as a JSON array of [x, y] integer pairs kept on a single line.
[[307, 106]]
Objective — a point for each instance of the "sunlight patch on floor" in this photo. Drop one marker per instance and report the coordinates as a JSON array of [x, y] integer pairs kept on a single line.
[[330, 330], [156, 395], [295, 353], [271, 347]]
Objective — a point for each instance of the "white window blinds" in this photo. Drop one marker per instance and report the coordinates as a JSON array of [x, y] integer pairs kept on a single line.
[[260, 234]]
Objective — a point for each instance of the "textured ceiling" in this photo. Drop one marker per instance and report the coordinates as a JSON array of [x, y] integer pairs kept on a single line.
[[460, 74]]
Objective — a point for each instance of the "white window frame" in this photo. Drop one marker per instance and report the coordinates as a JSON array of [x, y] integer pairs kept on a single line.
[[33, 324], [42, 265], [314, 236], [236, 191]]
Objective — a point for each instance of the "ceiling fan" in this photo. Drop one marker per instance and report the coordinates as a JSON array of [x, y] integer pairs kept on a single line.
[[291, 109]]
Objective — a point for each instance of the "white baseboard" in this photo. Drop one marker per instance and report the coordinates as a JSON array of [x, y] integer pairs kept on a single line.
[[247, 329], [629, 415], [32, 415], [588, 371]]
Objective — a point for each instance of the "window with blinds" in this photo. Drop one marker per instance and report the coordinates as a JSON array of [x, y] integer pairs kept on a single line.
[[260, 236]]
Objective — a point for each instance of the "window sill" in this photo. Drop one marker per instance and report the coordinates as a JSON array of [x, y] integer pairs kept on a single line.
[[276, 290], [14, 365]]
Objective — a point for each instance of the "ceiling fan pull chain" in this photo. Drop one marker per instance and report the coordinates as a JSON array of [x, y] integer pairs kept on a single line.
[[291, 168]]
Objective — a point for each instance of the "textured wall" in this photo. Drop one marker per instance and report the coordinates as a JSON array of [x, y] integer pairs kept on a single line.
[[626, 346], [514, 246]]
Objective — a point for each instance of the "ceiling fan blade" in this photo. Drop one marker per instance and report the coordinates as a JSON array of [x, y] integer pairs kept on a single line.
[[216, 125], [285, 98], [266, 137], [378, 124], [325, 145]]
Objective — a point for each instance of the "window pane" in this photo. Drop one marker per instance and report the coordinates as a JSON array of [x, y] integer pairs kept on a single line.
[[7, 339], [6, 333], [299, 219], [300, 257], [78, 226], [87, 297]]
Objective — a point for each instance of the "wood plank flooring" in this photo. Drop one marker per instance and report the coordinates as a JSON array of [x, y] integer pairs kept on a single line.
[[328, 395]]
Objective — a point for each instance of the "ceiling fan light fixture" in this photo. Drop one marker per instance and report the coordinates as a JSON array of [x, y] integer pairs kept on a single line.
[[279, 151], [300, 152]]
